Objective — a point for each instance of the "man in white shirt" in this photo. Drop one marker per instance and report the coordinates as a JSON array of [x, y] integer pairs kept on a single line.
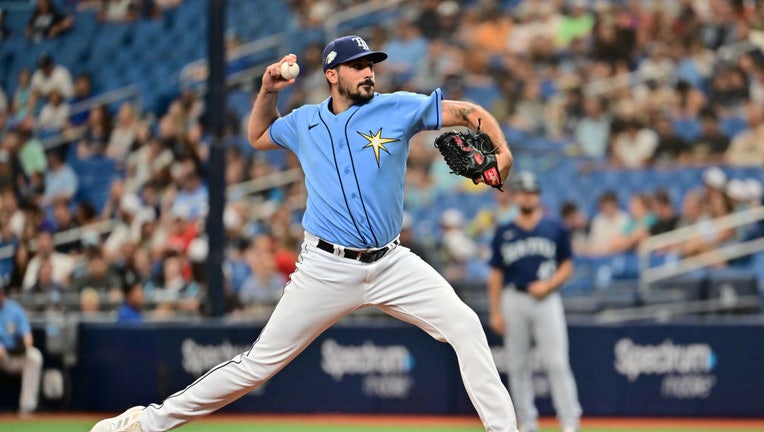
[[50, 76], [54, 115], [606, 225], [62, 264]]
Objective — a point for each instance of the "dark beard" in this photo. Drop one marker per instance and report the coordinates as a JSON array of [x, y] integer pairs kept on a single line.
[[356, 96], [527, 211]]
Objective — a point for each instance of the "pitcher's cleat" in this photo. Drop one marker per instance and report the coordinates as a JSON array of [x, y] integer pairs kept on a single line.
[[125, 422]]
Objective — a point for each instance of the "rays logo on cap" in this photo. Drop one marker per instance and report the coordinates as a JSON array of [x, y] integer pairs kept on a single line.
[[330, 57], [361, 43]]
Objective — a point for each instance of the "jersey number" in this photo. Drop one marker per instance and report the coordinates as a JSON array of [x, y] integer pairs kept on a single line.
[[546, 270]]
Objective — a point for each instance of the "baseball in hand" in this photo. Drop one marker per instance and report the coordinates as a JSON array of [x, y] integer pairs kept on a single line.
[[289, 71]]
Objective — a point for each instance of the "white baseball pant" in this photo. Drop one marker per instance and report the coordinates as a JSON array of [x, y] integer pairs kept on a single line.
[[324, 289], [29, 366], [528, 319]]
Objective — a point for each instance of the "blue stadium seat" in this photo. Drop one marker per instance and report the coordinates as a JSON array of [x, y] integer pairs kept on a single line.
[[95, 178]]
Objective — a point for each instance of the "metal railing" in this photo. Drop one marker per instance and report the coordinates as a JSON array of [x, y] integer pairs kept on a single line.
[[649, 275]]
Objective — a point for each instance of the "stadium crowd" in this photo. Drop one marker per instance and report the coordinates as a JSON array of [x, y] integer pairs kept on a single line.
[[620, 85]]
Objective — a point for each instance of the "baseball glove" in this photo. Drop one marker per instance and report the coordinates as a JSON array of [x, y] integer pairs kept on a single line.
[[471, 155]]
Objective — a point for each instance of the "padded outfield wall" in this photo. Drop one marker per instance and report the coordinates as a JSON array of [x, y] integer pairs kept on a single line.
[[694, 368]]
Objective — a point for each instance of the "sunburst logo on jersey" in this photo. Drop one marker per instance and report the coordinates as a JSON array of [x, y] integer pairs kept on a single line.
[[377, 143]]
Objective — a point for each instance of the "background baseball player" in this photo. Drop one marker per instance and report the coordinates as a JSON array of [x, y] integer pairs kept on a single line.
[[353, 149], [531, 259]]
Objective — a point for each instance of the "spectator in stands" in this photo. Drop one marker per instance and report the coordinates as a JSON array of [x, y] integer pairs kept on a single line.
[[18, 355], [11, 215], [7, 173], [118, 10], [24, 99], [31, 153], [123, 134], [666, 217], [134, 267], [50, 290], [747, 148], [593, 130], [193, 194], [633, 146], [712, 144], [47, 21], [8, 242], [607, 225], [641, 219], [711, 236], [54, 115], [98, 276], [671, 149], [83, 88], [714, 181], [149, 163], [577, 224], [60, 179], [174, 292], [21, 258], [130, 311], [63, 220], [455, 246], [50, 76], [577, 24], [264, 284], [90, 302], [131, 214], [190, 106], [97, 133], [62, 264]]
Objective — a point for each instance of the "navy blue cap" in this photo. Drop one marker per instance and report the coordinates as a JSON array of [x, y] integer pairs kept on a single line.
[[525, 181], [349, 48]]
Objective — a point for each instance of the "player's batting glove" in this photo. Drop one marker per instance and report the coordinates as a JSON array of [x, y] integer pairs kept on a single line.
[[471, 155]]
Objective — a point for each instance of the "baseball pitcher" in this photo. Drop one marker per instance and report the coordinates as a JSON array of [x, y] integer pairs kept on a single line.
[[353, 149]]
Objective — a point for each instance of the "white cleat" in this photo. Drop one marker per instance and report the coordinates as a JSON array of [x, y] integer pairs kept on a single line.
[[125, 422]]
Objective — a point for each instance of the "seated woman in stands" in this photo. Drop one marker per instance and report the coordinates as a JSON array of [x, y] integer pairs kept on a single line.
[[710, 235]]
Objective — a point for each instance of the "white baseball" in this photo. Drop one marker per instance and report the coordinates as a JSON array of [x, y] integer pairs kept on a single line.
[[289, 71]]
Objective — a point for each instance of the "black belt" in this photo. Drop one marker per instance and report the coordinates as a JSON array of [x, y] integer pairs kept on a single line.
[[358, 255]]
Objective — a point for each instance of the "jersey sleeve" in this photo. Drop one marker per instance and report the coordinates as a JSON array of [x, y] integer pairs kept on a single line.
[[22, 323], [496, 258], [564, 246], [427, 111], [283, 131]]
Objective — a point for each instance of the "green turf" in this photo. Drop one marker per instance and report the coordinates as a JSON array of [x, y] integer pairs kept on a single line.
[[210, 426]]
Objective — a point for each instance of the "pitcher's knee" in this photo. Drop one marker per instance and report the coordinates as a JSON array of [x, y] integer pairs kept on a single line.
[[466, 321]]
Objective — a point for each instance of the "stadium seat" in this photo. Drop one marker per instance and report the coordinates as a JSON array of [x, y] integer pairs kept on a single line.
[[728, 286], [675, 290], [618, 295]]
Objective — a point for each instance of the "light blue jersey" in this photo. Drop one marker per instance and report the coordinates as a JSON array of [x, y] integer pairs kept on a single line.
[[13, 323], [355, 163]]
